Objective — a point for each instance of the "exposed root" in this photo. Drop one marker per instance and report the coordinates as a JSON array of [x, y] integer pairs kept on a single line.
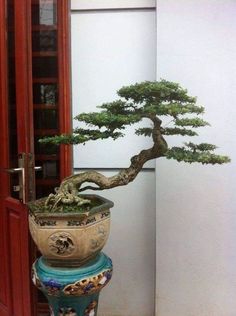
[[64, 197]]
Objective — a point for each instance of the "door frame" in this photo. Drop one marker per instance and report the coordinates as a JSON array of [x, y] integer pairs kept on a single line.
[[8, 302], [5, 301], [15, 268], [65, 110]]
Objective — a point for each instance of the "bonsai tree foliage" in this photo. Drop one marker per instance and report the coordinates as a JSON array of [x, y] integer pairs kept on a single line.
[[145, 100]]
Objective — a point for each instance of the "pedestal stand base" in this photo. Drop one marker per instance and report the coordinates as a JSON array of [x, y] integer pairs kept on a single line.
[[73, 291]]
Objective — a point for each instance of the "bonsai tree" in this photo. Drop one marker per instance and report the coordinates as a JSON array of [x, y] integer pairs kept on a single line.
[[145, 100]]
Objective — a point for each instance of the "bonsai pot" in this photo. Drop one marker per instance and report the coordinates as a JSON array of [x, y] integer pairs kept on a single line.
[[70, 238]]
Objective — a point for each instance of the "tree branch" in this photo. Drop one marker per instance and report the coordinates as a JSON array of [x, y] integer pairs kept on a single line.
[[125, 176]]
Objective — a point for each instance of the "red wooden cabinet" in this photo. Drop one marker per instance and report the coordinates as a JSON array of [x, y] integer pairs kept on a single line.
[[34, 101]]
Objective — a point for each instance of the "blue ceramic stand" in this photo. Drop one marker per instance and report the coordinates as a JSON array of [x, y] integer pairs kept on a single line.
[[73, 291]]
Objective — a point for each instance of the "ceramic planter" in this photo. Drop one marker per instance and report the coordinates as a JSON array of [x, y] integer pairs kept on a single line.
[[71, 239]]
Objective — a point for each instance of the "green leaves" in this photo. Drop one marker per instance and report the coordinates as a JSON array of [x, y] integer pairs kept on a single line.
[[175, 109], [155, 91], [118, 107], [194, 122], [160, 98], [108, 119], [63, 139], [81, 136], [150, 100], [178, 131], [198, 153], [201, 147], [145, 131]]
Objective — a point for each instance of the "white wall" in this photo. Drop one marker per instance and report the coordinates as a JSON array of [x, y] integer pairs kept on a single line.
[[82, 5], [196, 217], [112, 47]]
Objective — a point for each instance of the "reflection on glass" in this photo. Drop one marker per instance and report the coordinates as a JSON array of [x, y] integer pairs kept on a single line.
[[44, 41], [13, 150], [45, 94], [50, 169], [44, 12], [12, 86]]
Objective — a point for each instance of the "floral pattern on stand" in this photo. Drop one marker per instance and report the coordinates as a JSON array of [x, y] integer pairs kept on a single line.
[[52, 287], [68, 311], [91, 309], [35, 278], [90, 285]]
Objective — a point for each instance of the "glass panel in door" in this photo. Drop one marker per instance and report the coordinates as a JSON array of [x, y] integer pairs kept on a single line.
[[45, 91], [45, 103], [12, 116]]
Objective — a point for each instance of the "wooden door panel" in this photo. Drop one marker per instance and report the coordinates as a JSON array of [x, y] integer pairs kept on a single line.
[[4, 290], [18, 111], [3, 266], [17, 238], [3, 310]]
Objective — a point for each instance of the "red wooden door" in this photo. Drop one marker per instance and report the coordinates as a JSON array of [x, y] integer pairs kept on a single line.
[[16, 144], [19, 83]]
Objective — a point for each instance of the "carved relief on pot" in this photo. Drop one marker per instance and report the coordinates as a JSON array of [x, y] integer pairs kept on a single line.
[[33, 229], [99, 237], [61, 244], [74, 237]]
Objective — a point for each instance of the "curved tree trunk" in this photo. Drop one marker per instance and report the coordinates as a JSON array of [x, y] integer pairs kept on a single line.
[[71, 186]]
